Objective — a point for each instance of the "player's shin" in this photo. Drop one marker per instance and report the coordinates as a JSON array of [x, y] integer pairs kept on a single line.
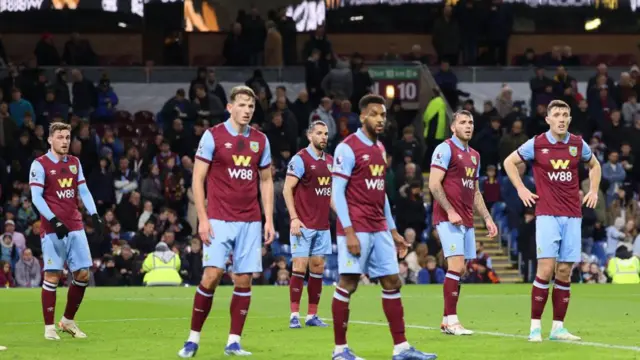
[[49, 303], [340, 312], [394, 311], [539, 296], [451, 295], [560, 298], [74, 299], [239, 309], [295, 292], [314, 292], [202, 302]]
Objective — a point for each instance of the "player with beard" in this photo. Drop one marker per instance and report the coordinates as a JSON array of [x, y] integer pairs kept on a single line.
[[556, 156], [233, 159], [307, 193], [56, 180], [453, 182], [368, 242]]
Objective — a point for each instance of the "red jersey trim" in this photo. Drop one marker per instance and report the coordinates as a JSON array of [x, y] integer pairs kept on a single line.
[[264, 167], [82, 182], [341, 175], [36, 184], [203, 159], [521, 157], [439, 167]]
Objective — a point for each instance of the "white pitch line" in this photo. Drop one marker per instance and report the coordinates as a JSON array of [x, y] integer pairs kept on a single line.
[[499, 334], [80, 322]]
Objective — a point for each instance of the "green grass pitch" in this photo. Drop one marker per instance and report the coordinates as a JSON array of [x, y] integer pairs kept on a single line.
[[152, 323]]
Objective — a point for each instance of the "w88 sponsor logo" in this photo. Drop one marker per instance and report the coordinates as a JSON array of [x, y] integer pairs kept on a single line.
[[240, 174], [66, 194]]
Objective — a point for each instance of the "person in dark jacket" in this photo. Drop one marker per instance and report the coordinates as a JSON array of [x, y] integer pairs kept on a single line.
[[84, 94]]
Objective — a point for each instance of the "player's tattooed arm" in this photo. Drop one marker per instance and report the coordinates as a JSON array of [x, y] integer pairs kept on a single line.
[[479, 204], [437, 191]]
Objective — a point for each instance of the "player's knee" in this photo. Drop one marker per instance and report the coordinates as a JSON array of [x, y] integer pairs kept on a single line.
[[210, 278], [316, 264], [349, 283], [242, 280], [563, 271], [300, 264], [82, 275], [52, 277], [391, 282]]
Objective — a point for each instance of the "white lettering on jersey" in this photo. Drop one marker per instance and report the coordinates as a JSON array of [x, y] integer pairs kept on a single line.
[[323, 191], [242, 174], [66, 194], [468, 183], [375, 184], [563, 176]]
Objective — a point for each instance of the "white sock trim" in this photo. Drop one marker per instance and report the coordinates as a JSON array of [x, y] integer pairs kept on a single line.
[[203, 293], [454, 277], [242, 294], [316, 276], [337, 296], [560, 287], [540, 286]]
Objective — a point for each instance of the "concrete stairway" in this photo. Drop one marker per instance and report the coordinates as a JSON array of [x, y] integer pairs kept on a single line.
[[499, 257]]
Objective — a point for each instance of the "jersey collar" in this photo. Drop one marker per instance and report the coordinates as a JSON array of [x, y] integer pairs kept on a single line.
[[232, 131], [313, 154], [54, 159], [364, 138], [553, 140], [459, 144]]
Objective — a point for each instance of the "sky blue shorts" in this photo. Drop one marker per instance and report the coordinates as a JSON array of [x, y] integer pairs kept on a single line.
[[457, 240], [378, 256], [73, 249], [244, 239], [559, 237], [311, 243]]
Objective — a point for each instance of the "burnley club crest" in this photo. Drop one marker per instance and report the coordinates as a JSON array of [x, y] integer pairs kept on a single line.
[[254, 146], [473, 160], [573, 151], [73, 169]]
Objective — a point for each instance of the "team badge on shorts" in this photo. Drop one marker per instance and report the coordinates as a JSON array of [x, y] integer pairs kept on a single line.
[[573, 151], [254, 146], [473, 160], [453, 247], [73, 169]]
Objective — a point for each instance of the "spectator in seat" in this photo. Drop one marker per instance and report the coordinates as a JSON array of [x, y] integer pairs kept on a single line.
[[509, 195], [8, 251], [147, 214], [98, 245], [301, 109], [511, 142], [631, 109], [179, 226], [28, 271], [323, 113], [623, 89], [200, 79], [214, 88], [491, 188], [504, 101], [33, 239], [162, 158], [162, 267], [487, 142], [125, 180], [146, 239], [125, 264], [177, 107], [208, 106], [192, 263], [480, 256], [406, 275], [235, 49], [615, 235], [78, 52], [16, 237], [107, 274], [446, 37], [178, 138], [174, 190], [6, 277], [153, 186], [431, 273], [26, 215], [128, 212], [46, 52], [19, 107], [257, 82], [339, 81], [410, 208], [273, 46], [84, 94], [318, 40], [614, 173], [107, 100], [482, 274], [61, 88], [101, 183]]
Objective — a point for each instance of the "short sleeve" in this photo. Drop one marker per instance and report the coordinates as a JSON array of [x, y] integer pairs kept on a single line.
[[441, 156], [265, 160], [36, 174], [586, 152], [344, 160], [296, 167], [81, 179], [526, 150], [206, 147]]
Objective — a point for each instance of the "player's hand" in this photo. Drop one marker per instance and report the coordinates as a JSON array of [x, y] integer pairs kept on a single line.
[[206, 232], [269, 233], [296, 225], [401, 244], [454, 218], [60, 229], [97, 224], [528, 198], [491, 226], [591, 199], [353, 244]]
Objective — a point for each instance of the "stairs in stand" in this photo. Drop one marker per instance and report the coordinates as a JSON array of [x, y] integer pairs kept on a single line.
[[499, 257]]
